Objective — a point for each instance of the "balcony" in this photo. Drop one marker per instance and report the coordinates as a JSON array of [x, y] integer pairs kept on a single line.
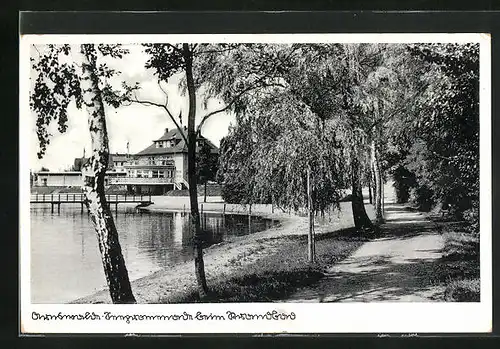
[[140, 180], [149, 163]]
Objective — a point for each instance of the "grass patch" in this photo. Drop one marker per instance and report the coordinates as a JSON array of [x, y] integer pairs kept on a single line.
[[276, 275], [460, 267]]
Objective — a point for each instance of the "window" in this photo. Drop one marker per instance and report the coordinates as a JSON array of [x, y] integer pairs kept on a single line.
[[44, 182], [155, 174], [161, 174]]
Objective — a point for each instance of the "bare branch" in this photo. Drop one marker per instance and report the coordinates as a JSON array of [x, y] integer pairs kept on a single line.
[[239, 95], [163, 106], [448, 158], [34, 46], [165, 92]]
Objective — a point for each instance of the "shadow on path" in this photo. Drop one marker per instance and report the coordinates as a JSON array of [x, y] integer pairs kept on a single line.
[[397, 267]]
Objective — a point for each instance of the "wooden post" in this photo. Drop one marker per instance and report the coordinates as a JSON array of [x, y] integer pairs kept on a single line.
[[224, 210], [249, 224], [59, 208], [201, 209], [51, 207], [36, 198], [81, 207], [310, 238]]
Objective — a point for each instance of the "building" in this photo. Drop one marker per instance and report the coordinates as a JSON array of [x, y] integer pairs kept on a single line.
[[116, 162], [162, 166], [58, 179], [74, 178]]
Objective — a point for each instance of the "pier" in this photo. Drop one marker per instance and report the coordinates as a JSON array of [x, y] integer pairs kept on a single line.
[[111, 199]]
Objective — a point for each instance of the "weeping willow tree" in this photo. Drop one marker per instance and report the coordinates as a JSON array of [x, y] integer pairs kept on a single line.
[[290, 158]]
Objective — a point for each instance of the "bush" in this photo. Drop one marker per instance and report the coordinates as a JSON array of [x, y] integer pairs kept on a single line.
[[422, 197], [233, 193], [466, 290], [404, 180], [471, 216]]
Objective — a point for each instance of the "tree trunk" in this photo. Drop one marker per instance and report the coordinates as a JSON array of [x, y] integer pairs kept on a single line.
[[379, 217], [94, 173], [370, 197], [361, 219], [193, 192], [310, 237]]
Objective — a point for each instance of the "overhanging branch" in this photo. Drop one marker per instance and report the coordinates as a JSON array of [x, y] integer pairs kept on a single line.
[[239, 95], [163, 106]]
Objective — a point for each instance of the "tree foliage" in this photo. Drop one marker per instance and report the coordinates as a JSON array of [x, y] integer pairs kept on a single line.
[[56, 84], [445, 154]]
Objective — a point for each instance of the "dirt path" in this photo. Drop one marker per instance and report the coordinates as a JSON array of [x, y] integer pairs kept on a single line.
[[398, 267]]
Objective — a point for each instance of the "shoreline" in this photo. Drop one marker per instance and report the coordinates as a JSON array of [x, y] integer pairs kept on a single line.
[[166, 285], [214, 204]]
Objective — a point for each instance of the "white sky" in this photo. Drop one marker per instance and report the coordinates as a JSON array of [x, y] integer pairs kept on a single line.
[[137, 124]]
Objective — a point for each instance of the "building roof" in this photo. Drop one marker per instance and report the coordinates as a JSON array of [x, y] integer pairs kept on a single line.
[[79, 162], [119, 157], [179, 147], [59, 173], [172, 134]]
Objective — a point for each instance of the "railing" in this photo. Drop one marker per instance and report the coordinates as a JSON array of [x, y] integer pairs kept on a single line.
[[79, 198], [140, 180], [147, 163]]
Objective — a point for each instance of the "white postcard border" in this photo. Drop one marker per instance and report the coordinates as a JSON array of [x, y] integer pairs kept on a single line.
[[308, 317]]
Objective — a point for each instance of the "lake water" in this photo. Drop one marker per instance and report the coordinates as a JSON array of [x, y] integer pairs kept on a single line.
[[65, 259]]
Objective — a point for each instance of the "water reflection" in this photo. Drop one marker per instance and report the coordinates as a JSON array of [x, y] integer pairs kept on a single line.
[[65, 259]]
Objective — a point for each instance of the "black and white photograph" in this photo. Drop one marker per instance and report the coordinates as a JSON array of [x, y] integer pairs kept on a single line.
[[268, 176]]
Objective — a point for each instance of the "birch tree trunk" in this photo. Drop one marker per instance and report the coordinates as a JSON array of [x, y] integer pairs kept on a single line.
[[94, 173], [379, 217], [361, 219], [370, 197], [193, 193]]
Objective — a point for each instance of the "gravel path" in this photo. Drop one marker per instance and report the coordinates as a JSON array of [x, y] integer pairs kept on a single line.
[[396, 268]]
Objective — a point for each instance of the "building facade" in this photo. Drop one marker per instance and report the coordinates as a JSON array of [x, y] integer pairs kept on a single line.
[[159, 168], [162, 166], [74, 178], [57, 179]]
